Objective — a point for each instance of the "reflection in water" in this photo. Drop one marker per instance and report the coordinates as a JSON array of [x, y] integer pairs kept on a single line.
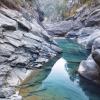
[[61, 82], [57, 86]]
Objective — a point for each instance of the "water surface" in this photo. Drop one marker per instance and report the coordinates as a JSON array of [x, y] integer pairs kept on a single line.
[[58, 79]]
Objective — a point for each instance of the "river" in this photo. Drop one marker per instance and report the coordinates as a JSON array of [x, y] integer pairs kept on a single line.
[[58, 79]]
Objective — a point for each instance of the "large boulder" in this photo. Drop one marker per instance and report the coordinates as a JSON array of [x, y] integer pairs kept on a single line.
[[96, 57], [90, 70]]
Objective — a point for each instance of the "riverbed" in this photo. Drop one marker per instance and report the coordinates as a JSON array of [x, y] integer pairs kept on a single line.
[[58, 79]]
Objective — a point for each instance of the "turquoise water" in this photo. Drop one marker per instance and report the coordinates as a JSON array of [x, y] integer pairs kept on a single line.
[[58, 79]]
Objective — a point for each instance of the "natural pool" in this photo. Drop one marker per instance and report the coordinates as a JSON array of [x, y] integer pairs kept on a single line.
[[58, 79]]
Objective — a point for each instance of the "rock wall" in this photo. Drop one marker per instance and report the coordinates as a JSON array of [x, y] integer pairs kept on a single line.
[[24, 44], [87, 33]]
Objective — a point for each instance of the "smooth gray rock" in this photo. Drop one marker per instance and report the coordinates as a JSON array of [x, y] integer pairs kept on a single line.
[[89, 69], [59, 28], [96, 57]]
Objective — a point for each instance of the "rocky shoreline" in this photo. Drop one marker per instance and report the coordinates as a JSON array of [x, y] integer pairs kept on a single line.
[[84, 27], [26, 43]]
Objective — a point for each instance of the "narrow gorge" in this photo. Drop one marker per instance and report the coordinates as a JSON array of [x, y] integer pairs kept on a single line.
[[49, 50]]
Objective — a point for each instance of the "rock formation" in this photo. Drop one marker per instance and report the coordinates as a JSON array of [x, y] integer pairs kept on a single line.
[[87, 34], [84, 27], [24, 44]]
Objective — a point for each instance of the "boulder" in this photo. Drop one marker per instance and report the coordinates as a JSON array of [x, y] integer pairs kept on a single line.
[[59, 28], [96, 57], [89, 69]]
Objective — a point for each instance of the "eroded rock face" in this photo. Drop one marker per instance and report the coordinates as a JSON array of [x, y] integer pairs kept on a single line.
[[22, 45]]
